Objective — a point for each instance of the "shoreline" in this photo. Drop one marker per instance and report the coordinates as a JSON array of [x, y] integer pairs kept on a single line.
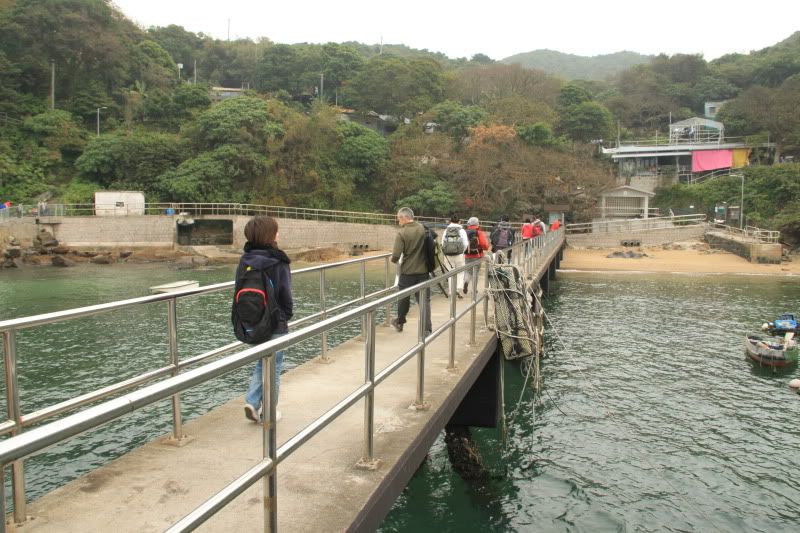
[[685, 258]]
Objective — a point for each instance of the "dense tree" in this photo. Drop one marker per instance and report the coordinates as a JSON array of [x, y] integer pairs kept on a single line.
[[396, 86], [436, 199], [587, 121], [457, 119], [131, 161], [243, 120], [773, 111]]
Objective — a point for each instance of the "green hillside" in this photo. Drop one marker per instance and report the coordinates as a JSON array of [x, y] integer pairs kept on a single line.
[[574, 67]]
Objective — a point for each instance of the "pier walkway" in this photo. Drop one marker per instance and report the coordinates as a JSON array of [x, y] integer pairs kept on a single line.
[[357, 422]]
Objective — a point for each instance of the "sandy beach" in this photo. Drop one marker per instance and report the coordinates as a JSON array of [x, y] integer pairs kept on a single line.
[[689, 259]]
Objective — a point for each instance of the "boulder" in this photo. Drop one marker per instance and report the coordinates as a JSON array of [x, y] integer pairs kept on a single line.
[[200, 260], [101, 260], [60, 249], [124, 254], [13, 241], [13, 252], [51, 243], [8, 263], [31, 260], [44, 236], [87, 253], [61, 261]]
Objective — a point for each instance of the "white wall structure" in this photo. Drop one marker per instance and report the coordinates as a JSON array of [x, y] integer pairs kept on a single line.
[[118, 203]]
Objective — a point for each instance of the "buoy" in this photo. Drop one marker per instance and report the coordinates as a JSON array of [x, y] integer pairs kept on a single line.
[[795, 383]]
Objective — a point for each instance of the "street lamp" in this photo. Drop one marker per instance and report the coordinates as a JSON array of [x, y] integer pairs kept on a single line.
[[98, 119]]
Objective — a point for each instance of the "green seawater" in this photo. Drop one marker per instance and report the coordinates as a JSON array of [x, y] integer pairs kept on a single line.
[[651, 418], [60, 361]]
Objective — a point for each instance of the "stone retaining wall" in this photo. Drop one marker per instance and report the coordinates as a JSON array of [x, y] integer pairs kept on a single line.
[[159, 230], [755, 252], [646, 238]]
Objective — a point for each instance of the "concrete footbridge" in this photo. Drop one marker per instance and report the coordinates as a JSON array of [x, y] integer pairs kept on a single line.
[[357, 421]]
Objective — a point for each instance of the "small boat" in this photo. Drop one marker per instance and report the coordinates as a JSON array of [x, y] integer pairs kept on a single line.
[[782, 325], [771, 351]]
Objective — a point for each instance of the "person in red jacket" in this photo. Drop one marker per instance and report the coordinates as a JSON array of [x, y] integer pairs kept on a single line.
[[555, 225], [478, 243]]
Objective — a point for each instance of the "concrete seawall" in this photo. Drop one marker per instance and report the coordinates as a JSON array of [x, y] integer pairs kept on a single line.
[[160, 230], [654, 237]]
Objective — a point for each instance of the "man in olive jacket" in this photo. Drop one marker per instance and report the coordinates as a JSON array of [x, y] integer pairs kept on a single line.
[[409, 244]]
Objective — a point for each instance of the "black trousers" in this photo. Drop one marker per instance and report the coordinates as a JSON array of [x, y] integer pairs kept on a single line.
[[406, 281]]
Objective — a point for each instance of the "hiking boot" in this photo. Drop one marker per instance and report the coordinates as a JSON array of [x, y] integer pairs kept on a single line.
[[397, 325], [251, 414], [466, 287]]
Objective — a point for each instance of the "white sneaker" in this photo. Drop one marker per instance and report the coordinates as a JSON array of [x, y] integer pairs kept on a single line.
[[250, 412]]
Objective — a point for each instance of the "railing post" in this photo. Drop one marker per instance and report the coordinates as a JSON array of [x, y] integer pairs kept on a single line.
[[485, 293], [3, 498], [369, 400], [269, 442], [324, 351], [387, 318], [423, 313], [172, 329], [453, 296], [474, 311], [15, 414], [363, 285]]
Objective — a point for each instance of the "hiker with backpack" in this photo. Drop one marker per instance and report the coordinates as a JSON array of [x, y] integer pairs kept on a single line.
[[527, 236], [454, 245], [412, 244], [502, 237], [263, 304], [477, 244]]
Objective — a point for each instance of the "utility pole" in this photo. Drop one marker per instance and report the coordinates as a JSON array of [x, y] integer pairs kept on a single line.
[[229, 29], [98, 119], [52, 84], [741, 205], [321, 85]]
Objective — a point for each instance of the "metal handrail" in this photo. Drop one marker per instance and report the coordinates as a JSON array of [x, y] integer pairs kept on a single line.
[[17, 420], [55, 211], [587, 227], [16, 448], [753, 233]]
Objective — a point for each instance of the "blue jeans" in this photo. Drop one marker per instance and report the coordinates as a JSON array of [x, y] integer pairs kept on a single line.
[[256, 390]]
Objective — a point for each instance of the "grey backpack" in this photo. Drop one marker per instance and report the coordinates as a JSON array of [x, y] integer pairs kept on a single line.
[[452, 244]]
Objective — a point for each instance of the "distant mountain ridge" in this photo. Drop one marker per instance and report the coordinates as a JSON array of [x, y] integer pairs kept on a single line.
[[576, 67]]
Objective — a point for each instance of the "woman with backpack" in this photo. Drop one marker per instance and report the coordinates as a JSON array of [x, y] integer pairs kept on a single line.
[[263, 303], [477, 244], [454, 244]]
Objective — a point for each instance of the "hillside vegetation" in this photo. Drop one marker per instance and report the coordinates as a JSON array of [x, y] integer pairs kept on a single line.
[[505, 138], [575, 67]]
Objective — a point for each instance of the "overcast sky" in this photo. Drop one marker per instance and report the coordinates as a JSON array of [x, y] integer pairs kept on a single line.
[[497, 28]]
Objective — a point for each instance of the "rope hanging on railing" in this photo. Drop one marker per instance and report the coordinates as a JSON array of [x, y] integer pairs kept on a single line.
[[513, 317]]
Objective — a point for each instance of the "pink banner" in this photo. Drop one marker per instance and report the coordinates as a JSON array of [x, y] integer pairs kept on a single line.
[[703, 160]]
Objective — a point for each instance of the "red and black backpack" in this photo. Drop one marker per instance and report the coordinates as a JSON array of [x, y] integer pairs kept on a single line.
[[254, 312]]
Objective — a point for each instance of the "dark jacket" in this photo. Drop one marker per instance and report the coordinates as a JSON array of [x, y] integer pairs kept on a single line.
[[276, 264], [495, 237], [409, 244]]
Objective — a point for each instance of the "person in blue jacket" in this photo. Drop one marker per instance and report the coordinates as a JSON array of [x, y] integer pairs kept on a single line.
[[261, 251]]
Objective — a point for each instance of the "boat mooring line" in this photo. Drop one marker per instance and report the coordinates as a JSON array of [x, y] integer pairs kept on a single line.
[[612, 415]]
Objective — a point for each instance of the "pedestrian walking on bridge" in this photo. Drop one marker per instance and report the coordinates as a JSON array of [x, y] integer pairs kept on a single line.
[[409, 245]]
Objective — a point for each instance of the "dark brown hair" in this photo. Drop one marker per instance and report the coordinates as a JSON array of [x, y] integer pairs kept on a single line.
[[261, 230]]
